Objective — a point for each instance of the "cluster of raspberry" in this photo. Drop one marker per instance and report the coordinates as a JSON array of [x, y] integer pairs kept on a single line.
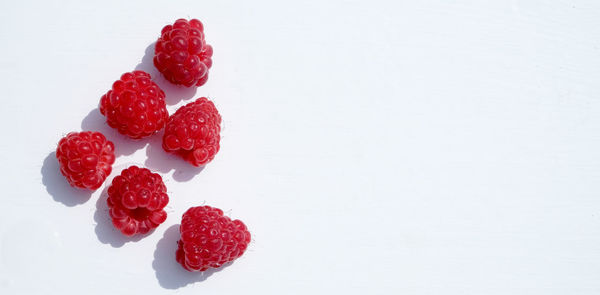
[[135, 106]]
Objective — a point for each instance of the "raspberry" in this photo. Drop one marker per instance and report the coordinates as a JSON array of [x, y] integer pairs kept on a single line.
[[85, 158], [136, 199], [135, 105], [209, 239], [193, 132], [182, 55]]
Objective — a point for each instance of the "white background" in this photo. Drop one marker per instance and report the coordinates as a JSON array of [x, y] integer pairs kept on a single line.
[[372, 147]]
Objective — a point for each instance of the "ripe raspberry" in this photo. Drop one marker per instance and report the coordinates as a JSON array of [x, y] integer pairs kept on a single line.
[[193, 132], [209, 239], [85, 158], [136, 200], [182, 55], [135, 105]]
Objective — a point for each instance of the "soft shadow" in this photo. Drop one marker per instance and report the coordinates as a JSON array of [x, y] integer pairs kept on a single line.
[[124, 145], [105, 230], [159, 160], [58, 187], [174, 93], [170, 274]]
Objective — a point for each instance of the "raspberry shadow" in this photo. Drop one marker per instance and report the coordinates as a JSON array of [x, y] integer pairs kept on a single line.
[[95, 121], [173, 93], [58, 187], [159, 160], [169, 273]]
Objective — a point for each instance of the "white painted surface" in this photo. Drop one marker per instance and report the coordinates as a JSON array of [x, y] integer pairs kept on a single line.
[[372, 147]]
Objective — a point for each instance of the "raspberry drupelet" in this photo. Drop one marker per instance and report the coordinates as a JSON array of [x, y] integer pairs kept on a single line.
[[210, 239], [182, 55], [137, 199], [135, 105], [85, 158], [192, 132]]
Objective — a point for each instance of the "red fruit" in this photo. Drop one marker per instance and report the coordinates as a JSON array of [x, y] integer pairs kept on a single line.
[[85, 158], [209, 239], [136, 199], [135, 105], [193, 132], [182, 55]]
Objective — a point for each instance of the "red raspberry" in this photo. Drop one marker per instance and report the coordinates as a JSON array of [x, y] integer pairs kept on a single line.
[[182, 55], [193, 132], [209, 239], [85, 158], [135, 105], [136, 200]]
